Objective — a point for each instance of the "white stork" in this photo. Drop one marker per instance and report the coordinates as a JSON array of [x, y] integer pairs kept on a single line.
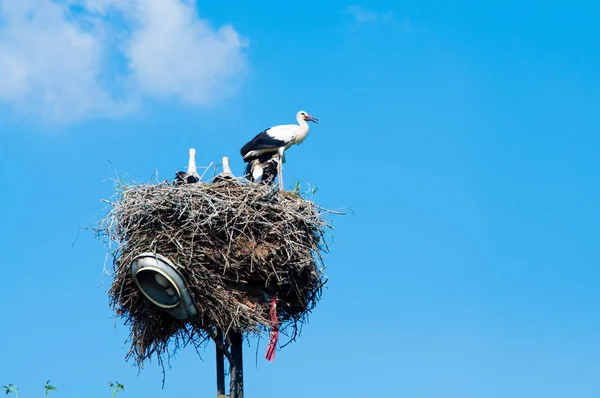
[[226, 174], [192, 176], [275, 141], [264, 167]]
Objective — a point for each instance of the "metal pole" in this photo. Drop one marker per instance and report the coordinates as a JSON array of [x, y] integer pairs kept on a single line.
[[220, 363], [236, 369]]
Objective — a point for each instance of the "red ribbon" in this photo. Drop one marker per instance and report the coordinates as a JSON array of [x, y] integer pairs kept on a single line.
[[272, 347]]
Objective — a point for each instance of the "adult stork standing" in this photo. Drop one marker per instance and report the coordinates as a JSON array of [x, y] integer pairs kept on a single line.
[[192, 176], [273, 142]]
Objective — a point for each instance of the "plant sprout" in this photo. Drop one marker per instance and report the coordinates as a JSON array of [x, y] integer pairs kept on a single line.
[[48, 387], [116, 386], [11, 389]]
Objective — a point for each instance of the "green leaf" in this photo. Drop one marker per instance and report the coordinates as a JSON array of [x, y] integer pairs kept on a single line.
[[11, 389], [116, 387]]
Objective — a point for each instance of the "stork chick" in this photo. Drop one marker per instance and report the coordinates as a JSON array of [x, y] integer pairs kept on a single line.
[[226, 174], [263, 168], [191, 176]]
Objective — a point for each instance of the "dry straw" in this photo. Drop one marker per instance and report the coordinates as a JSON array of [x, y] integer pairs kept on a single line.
[[238, 245]]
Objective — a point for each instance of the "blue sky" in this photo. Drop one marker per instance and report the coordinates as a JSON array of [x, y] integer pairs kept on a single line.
[[463, 135]]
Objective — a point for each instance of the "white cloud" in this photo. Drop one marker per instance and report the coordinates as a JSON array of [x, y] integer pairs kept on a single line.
[[48, 64], [59, 63], [363, 15], [176, 54]]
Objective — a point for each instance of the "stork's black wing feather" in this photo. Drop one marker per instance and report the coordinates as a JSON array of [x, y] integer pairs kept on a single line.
[[222, 177], [248, 171], [268, 163], [269, 172], [261, 141], [251, 164], [181, 177]]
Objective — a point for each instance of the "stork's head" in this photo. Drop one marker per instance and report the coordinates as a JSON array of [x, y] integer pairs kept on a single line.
[[306, 117]]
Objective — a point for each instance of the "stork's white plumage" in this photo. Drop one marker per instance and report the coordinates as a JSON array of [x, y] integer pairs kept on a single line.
[[226, 167], [226, 174], [276, 140], [192, 176]]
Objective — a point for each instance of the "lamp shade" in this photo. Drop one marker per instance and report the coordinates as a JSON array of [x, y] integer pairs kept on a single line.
[[160, 282]]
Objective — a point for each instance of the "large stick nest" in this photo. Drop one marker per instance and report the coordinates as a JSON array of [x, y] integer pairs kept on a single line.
[[237, 245]]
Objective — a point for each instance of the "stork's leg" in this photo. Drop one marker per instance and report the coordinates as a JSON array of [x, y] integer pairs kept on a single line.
[[281, 152], [280, 174]]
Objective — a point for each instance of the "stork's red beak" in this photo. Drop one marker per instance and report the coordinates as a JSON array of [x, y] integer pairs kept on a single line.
[[310, 118]]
